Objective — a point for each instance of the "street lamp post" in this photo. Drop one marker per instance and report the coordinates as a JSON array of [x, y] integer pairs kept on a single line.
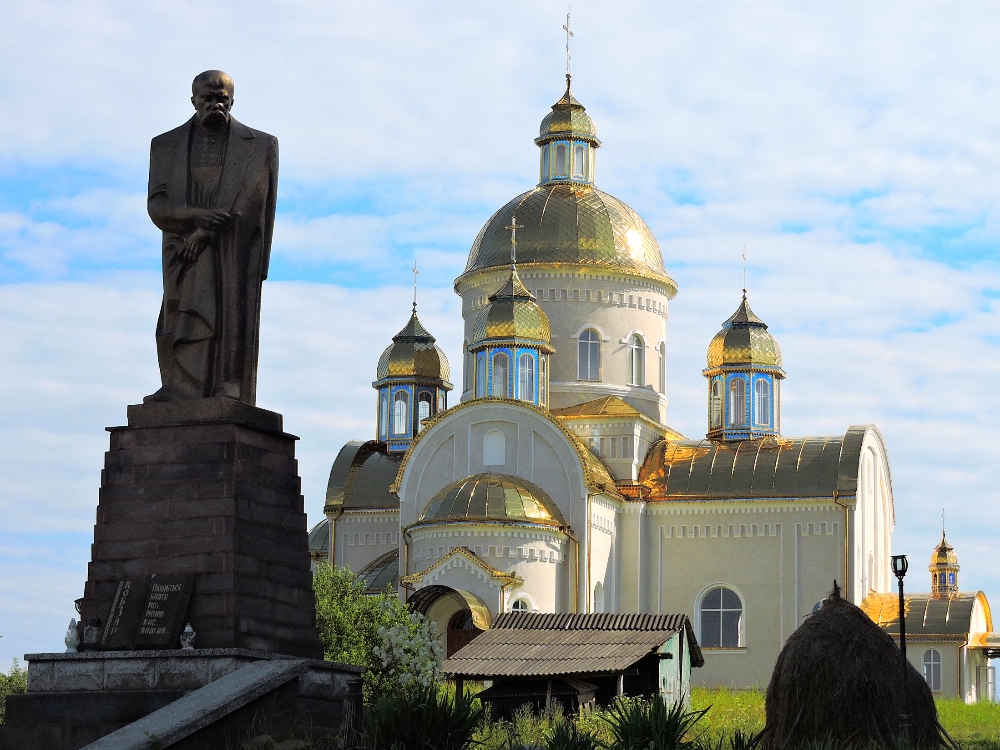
[[899, 567]]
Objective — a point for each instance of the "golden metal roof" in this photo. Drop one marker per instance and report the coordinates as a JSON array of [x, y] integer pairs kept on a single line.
[[568, 118], [571, 224], [512, 313], [770, 467], [944, 556], [492, 497], [380, 573], [361, 476], [926, 615], [413, 353], [744, 340]]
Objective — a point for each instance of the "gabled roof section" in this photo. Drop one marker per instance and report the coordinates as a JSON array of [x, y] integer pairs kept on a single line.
[[771, 467], [538, 645], [611, 407], [471, 557], [927, 616]]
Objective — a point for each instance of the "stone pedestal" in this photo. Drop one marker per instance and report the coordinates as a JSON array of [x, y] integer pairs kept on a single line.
[[209, 488]]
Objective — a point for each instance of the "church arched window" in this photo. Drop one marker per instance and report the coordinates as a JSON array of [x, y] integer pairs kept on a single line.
[[545, 163], [589, 356], [635, 353], [561, 160], [737, 402], [520, 605], [501, 375], [721, 614], [931, 663], [762, 391], [470, 362], [423, 408], [599, 597], [481, 376], [383, 415], [543, 383], [400, 413], [494, 448], [716, 404], [579, 160], [526, 377]]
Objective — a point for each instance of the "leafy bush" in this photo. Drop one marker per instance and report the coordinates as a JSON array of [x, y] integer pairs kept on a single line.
[[421, 718], [14, 682], [372, 631], [641, 724], [410, 653]]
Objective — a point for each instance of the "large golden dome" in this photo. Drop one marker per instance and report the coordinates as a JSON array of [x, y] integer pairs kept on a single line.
[[413, 353], [571, 223], [512, 313], [744, 340]]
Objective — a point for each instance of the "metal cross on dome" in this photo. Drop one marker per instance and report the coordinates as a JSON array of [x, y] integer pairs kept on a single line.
[[513, 227], [415, 272], [569, 35]]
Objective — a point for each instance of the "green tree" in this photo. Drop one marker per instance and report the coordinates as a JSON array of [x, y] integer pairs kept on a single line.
[[13, 683], [361, 629]]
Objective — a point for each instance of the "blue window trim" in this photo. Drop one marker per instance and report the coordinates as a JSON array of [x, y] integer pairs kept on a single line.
[[492, 353], [398, 436], [747, 393], [569, 160], [770, 400], [534, 379]]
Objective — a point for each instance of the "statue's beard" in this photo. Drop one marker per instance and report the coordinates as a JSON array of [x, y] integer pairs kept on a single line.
[[214, 119]]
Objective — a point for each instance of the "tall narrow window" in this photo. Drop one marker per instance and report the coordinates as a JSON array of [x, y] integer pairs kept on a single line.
[[716, 404], [543, 383], [721, 619], [579, 160], [400, 413], [481, 376], [560, 161], [932, 669], [423, 408], [501, 374], [589, 356], [627, 447], [662, 351], [737, 402], [470, 361], [634, 364], [526, 377], [383, 415], [442, 401], [545, 163], [763, 393]]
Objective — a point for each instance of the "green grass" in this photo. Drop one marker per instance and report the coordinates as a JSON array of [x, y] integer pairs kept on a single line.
[[728, 711], [972, 726]]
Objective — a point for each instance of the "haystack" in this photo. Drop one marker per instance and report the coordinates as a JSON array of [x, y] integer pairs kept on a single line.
[[838, 677]]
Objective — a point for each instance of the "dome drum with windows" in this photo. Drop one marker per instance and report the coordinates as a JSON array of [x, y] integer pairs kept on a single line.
[[744, 375], [510, 346], [413, 370]]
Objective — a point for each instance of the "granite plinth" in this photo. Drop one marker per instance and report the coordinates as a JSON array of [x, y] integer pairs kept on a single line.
[[209, 488], [188, 699]]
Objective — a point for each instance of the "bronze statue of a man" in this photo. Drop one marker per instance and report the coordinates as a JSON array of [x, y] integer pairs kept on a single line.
[[212, 189]]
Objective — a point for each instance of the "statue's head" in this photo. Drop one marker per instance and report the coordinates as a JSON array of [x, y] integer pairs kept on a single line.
[[212, 97]]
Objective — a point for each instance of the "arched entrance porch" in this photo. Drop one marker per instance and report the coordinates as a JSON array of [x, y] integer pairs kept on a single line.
[[459, 615]]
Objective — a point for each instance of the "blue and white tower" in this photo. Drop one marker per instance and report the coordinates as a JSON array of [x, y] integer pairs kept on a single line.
[[744, 377]]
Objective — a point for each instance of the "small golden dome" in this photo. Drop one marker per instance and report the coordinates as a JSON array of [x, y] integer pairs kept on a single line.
[[571, 223], [568, 118], [943, 556], [744, 340], [492, 497], [512, 313], [413, 353]]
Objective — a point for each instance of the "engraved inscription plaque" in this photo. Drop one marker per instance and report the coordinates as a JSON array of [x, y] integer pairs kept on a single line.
[[126, 612], [163, 616]]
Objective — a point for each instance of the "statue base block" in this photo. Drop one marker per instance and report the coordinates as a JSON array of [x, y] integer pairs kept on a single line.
[[209, 488]]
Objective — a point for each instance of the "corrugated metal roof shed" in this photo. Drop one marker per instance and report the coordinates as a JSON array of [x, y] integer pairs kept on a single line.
[[538, 645]]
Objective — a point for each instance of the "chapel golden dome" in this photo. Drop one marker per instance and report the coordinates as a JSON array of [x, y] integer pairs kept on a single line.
[[571, 224], [944, 569], [568, 118], [413, 353], [744, 340], [512, 314], [944, 555], [492, 497]]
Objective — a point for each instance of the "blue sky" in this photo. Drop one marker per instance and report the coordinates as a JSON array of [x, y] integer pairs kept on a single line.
[[853, 151]]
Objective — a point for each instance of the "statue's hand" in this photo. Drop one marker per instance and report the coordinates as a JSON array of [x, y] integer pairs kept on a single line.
[[209, 218], [193, 246]]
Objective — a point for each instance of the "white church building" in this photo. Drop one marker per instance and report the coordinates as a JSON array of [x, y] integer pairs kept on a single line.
[[555, 484]]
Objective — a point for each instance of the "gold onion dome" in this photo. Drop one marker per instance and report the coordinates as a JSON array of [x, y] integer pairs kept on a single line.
[[744, 340], [492, 497], [943, 555], [568, 117], [571, 223], [413, 353], [512, 314]]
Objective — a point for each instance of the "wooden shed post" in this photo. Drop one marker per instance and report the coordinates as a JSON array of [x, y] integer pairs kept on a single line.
[[459, 691], [548, 695], [621, 685]]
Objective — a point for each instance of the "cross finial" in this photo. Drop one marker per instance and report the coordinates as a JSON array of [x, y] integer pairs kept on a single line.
[[415, 272], [744, 272], [569, 35], [942, 523], [513, 227]]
